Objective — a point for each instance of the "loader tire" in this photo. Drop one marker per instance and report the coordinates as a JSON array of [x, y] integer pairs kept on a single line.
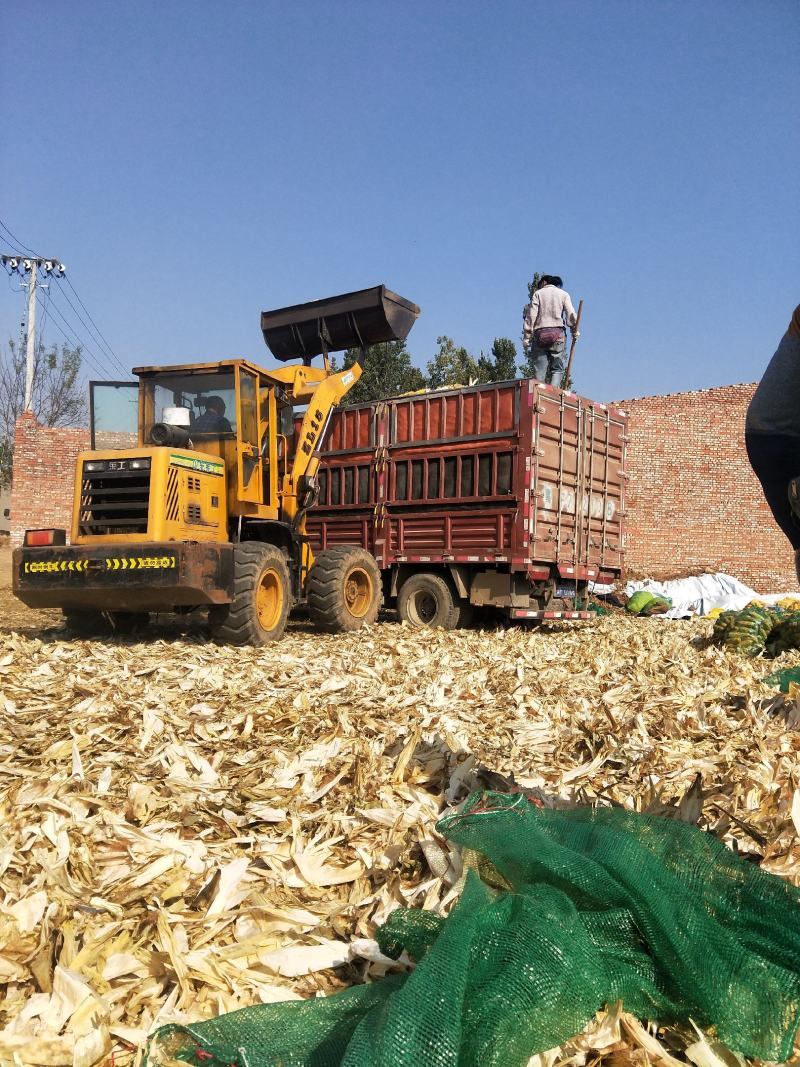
[[427, 600], [343, 589], [261, 597]]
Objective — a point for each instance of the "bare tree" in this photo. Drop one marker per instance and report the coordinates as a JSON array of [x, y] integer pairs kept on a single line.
[[58, 399]]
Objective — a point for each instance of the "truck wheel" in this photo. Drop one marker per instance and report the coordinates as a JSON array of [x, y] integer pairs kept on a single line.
[[343, 589], [261, 597], [427, 600]]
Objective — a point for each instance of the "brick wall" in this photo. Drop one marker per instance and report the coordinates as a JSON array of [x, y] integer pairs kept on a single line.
[[44, 475], [693, 501]]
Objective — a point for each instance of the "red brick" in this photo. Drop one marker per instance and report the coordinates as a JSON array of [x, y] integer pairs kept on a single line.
[[44, 474]]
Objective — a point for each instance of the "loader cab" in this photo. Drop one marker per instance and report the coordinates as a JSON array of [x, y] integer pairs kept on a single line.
[[190, 400], [229, 410]]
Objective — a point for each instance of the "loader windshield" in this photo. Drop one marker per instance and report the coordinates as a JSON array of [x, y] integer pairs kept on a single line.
[[204, 403]]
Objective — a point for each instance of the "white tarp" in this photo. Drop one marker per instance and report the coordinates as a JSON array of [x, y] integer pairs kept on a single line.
[[698, 596]]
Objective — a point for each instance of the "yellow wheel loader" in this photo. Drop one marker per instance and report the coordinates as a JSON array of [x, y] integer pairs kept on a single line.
[[209, 509]]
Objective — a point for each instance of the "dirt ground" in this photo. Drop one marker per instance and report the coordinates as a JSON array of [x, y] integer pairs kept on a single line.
[[13, 614]]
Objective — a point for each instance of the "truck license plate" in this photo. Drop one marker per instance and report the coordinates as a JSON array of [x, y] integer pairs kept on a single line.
[[566, 589]]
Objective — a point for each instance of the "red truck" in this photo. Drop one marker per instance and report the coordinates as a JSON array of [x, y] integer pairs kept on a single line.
[[508, 496]]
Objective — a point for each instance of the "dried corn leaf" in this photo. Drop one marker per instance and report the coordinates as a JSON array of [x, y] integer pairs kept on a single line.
[[188, 829]]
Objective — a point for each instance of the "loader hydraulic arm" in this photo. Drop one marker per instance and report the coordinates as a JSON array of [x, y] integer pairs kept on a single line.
[[303, 331], [322, 391]]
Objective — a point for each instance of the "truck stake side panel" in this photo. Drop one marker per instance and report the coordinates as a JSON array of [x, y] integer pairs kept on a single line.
[[517, 475]]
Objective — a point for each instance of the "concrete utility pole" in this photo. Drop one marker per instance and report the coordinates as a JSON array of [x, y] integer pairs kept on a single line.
[[30, 348], [30, 266]]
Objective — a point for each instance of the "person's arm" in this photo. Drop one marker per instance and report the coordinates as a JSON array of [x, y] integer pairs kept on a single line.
[[569, 311], [531, 315]]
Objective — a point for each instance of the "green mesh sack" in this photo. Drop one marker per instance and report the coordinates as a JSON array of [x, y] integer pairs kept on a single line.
[[749, 630], [784, 679], [786, 634], [723, 625], [604, 905], [639, 601]]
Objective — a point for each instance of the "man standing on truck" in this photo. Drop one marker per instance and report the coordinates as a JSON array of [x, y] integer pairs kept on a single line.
[[544, 331], [772, 431]]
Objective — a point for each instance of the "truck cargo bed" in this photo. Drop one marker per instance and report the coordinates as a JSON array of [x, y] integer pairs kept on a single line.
[[518, 475]]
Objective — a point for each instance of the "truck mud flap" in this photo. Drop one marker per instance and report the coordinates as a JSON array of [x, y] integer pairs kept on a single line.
[[132, 577]]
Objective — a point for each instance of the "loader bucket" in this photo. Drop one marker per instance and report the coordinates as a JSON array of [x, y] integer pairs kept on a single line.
[[353, 320]]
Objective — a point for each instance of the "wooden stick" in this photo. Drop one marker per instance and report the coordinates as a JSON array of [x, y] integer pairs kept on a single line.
[[575, 329]]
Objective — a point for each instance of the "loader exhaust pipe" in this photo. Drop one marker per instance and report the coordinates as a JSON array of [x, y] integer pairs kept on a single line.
[[164, 433]]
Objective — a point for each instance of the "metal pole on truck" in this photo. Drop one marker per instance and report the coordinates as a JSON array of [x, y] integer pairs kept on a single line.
[[575, 329]]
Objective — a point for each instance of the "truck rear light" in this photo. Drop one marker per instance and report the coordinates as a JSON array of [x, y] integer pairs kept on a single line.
[[44, 538]]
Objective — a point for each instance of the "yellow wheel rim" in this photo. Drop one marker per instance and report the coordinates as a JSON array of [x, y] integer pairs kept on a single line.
[[358, 592], [269, 599]]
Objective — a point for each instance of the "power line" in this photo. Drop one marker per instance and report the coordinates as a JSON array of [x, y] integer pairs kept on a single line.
[[46, 308], [16, 240], [71, 341], [95, 334], [52, 267], [74, 341], [97, 328], [14, 288], [4, 257], [88, 328], [91, 356]]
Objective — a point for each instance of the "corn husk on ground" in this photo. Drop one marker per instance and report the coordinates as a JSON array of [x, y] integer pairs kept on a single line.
[[187, 829]]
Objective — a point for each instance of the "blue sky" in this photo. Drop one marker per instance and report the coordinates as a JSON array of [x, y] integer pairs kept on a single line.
[[195, 162]]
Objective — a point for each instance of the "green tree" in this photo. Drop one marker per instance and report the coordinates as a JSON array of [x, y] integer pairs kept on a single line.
[[58, 399], [502, 367], [388, 370], [453, 365], [533, 285]]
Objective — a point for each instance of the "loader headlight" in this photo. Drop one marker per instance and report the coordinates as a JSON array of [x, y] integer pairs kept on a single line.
[[95, 465], [142, 464]]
